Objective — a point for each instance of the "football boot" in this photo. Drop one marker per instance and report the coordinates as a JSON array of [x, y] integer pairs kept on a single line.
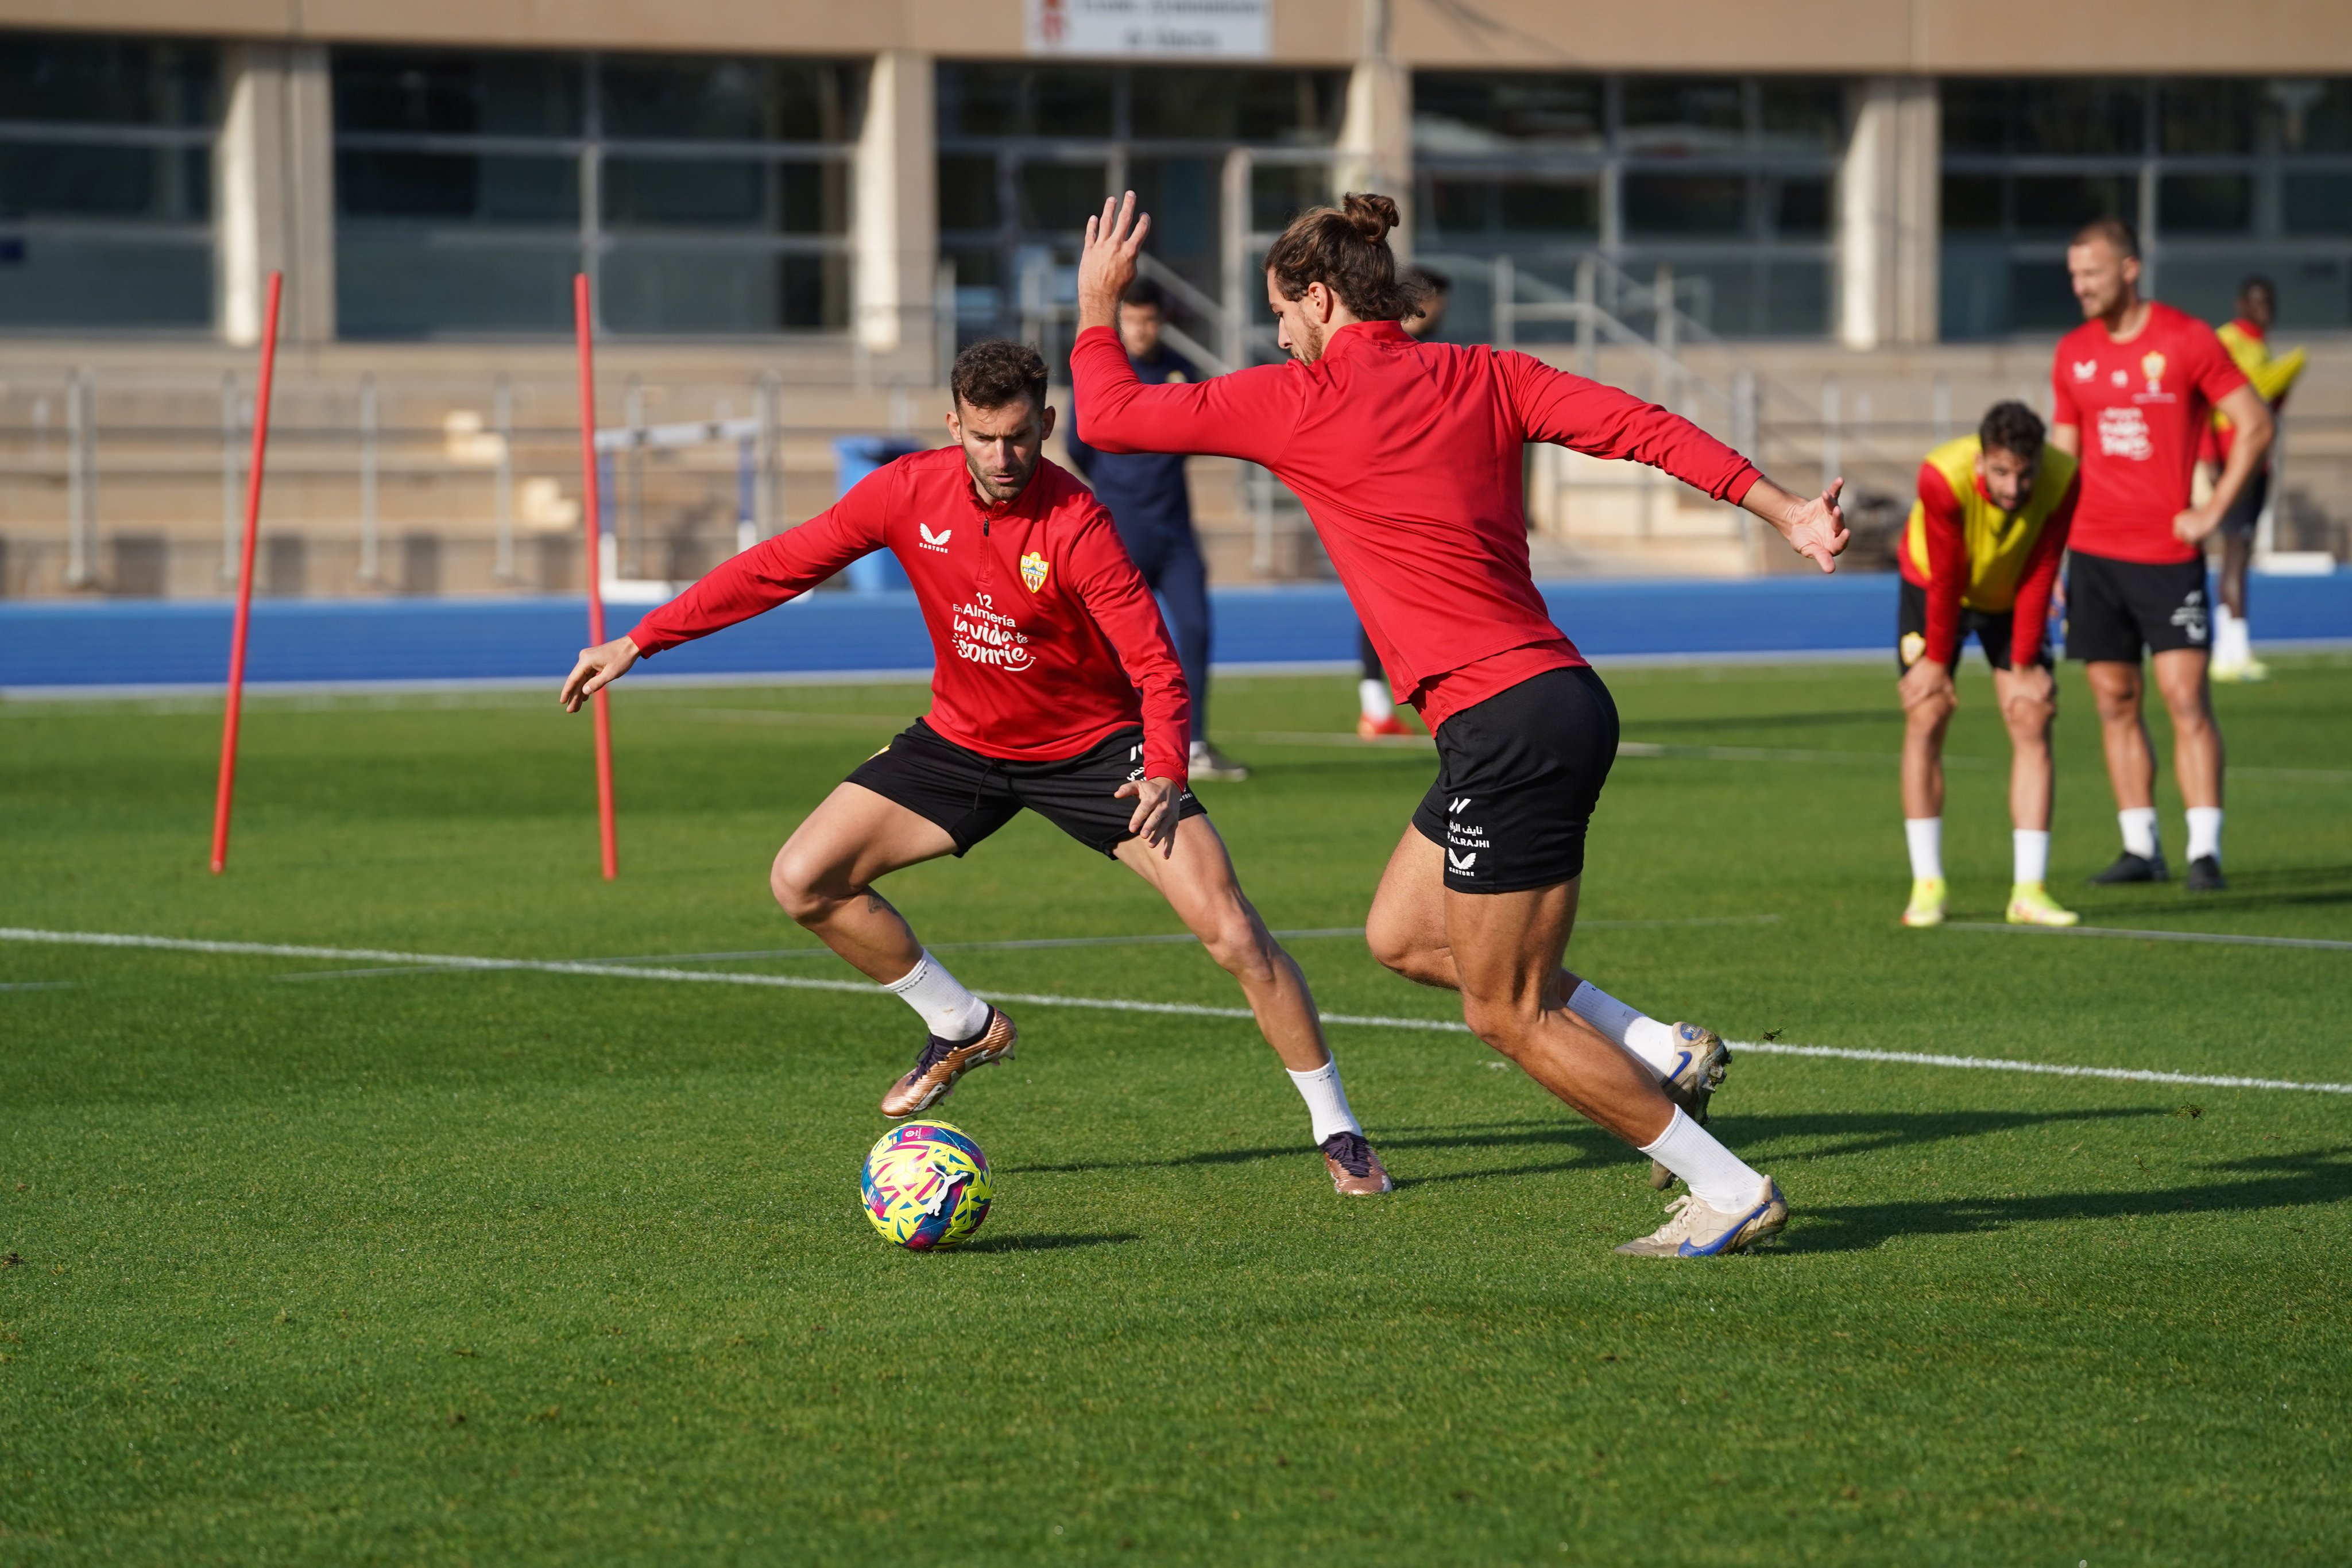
[[2129, 867], [1701, 1060], [942, 1061], [1208, 762], [1356, 1171], [2030, 903], [1371, 729], [1697, 1230], [2205, 874], [1926, 905]]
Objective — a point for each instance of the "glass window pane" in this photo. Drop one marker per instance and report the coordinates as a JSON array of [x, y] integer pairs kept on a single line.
[[1183, 103], [1464, 112], [979, 101], [171, 184], [1800, 208], [1804, 114], [2204, 204], [457, 187], [1183, 196], [1972, 289], [1567, 208], [967, 192], [1795, 299], [107, 82], [417, 285], [2040, 298], [2089, 117], [2207, 116], [2318, 204], [1665, 114], [2314, 293], [1278, 194], [2057, 205], [730, 99], [1972, 203], [457, 94], [1061, 196], [2312, 116], [1686, 204], [705, 291], [1069, 102], [52, 282], [747, 194]]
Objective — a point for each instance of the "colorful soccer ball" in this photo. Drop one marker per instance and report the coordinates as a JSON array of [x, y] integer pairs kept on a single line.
[[926, 1186]]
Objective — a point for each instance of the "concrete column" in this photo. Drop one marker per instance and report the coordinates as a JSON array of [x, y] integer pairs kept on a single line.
[[274, 191], [1376, 133], [896, 229], [1888, 229]]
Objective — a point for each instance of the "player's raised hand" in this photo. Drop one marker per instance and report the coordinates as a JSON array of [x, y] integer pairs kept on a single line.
[[1154, 818], [598, 668], [1107, 260]]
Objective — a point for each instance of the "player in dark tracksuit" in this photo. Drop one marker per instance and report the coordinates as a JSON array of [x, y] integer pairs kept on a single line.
[[1152, 507]]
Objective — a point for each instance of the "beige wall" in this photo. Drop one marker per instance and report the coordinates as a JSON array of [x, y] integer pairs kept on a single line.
[[1832, 37]]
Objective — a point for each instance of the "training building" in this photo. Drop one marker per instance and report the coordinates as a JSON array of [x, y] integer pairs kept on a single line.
[[1830, 224]]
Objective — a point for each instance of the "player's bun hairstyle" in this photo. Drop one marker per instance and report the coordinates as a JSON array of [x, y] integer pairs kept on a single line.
[[2115, 231], [993, 373], [1346, 249], [2012, 427]]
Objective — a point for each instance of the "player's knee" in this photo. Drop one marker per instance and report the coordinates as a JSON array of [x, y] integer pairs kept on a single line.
[[1241, 947], [794, 881], [2028, 721], [1503, 1023]]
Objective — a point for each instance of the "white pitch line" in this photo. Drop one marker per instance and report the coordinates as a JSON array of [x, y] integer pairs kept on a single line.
[[1108, 1004], [2229, 937]]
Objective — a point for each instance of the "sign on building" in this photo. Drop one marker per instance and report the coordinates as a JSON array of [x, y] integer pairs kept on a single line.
[[1211, 30]]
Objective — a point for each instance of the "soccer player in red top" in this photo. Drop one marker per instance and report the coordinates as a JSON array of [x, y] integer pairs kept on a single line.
[[1045, 634], [1407, 456], [2132, 389]]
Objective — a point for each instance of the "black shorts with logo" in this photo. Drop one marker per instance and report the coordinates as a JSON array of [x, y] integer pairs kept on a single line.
[[971, 796], [1518, 777], [2116, 608], [1995, 631]]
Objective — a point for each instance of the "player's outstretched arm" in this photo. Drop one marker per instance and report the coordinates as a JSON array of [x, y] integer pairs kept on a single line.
[[1814, 528], [598, 668]]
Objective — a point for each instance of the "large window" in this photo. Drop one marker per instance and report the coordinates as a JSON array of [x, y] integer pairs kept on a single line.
[[704, 197], [1027, 152], [2222, 177], [106, 203], [1725, 180]]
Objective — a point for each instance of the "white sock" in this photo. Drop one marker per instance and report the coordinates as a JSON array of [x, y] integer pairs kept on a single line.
[[2230, 643], [2138, 824], [2029, 847], [1645, 1037], [1926, 837], [946, 1009], [2204, 832], [1718, 1177], [1327, 1101], [1373, 694]]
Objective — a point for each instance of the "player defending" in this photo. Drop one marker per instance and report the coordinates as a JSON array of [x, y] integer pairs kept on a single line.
[[2145, 377], [2247, 338], [1407, 456], [1045, 634], [1981, 554]]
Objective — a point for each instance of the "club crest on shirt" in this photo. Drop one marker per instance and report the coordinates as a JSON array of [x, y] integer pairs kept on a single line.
[[1033, 567], [2151, 365]]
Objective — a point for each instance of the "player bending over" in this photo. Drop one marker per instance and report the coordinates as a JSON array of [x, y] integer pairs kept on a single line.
[[1980, 555], [1043, 633], [1407, 456]]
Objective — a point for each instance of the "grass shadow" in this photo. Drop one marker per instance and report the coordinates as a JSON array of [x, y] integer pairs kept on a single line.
[[2285, 1181], [1048, 1243]]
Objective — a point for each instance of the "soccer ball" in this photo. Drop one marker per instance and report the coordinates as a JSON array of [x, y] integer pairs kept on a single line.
[[926, 1186]]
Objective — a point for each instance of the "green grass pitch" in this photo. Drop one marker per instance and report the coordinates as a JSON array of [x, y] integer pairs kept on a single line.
[[306, 1265]]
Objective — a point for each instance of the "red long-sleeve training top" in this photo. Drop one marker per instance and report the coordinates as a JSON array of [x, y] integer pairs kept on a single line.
[[1407, 456], [1043, 631]]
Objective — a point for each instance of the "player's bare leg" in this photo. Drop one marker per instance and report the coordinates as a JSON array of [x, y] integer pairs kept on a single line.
[[1926, 719], [2197, 759], [2115, 689], [823, 878], [2028, 704], [1407, 932], [1195, 875]]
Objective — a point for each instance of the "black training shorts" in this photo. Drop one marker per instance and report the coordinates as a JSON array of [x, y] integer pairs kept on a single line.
[[1995, 631], [2246, 511], [1518, 777], [2116, 608], [971, 796]]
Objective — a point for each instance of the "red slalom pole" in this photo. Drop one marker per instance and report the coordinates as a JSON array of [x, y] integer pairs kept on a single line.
[[226, 796], [590, 504]]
